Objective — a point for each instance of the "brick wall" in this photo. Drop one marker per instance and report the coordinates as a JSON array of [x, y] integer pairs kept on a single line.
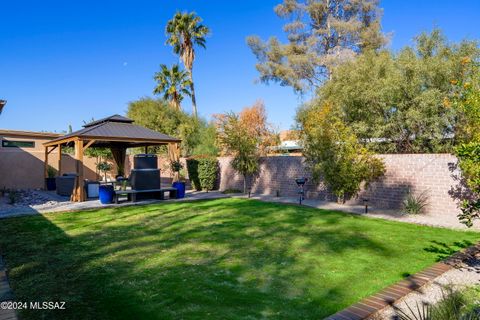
[[428, 173]]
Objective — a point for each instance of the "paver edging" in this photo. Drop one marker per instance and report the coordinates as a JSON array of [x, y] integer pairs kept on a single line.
[[370, 306], [6, 293]]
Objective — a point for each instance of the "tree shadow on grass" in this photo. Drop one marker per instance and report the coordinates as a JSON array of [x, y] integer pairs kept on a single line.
[[444, 250], [206, 259]]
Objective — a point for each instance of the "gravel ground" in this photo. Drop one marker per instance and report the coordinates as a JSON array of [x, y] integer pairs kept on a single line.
[[439, 219], [466, 274], [29, 202]]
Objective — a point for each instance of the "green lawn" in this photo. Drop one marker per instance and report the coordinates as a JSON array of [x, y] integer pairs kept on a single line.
[[218, 259]]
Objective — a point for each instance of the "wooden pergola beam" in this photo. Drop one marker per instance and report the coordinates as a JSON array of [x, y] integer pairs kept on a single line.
[[45, 168], [88, 145], [54, 147]]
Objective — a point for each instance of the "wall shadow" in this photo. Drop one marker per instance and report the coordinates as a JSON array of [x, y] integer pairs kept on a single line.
[[23, 169]]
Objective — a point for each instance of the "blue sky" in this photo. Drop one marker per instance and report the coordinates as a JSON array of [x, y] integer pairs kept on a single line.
[[63, 62]]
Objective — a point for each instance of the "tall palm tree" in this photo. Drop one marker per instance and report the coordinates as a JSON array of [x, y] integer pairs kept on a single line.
[[2, 104], [173, 83], [184, 31]]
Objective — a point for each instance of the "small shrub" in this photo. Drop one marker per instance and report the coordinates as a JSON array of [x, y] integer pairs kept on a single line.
[[207, 173], [51, 172], [13, 196], [415, 204], [192, 169], [176, 166], [454, 305]]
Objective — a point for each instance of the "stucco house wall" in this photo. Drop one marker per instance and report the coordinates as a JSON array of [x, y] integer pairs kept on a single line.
[[23, 167]]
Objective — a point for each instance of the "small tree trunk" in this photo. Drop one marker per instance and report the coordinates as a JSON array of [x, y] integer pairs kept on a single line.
[[245, 184]]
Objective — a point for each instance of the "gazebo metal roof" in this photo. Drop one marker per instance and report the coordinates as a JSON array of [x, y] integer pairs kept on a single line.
[[115, 130]]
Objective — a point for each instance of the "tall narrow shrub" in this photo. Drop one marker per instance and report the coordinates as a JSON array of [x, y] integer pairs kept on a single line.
[[192, 169], [207, 173]]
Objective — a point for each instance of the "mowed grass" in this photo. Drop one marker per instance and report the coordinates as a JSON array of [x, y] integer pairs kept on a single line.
[[217, 259]]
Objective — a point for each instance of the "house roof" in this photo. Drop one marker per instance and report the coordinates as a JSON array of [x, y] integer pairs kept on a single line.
[[115, 130], [29, 134]]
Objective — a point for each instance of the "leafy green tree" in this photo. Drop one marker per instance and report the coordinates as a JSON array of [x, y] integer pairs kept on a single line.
[[245, 136], [397, 102], [206, 144], [334, 153], [236, 140], [184, 32], [156, 114], [173, 84], [466, 100], [321, 35]]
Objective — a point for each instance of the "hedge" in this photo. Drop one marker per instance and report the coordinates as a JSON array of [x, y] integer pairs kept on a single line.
[[192, 169], [203, 173], [207, 173]]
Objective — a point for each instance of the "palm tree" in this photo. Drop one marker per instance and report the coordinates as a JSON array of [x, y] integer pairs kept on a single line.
[[2, 104], [173, 83], [184, 31]]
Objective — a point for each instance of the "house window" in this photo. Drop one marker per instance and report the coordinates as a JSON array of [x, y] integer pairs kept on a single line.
[[18, 144]]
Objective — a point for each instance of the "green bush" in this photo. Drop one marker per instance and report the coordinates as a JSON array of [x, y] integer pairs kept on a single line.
[[192, 169], [51, 172], [334, 153], [207, 173], [13, 196]]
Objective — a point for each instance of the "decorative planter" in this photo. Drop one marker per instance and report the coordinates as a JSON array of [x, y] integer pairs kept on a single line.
[[50, 183], [180, 186], [105, 194]]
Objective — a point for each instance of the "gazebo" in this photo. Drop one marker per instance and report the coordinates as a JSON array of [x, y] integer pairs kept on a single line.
[[115, 132]]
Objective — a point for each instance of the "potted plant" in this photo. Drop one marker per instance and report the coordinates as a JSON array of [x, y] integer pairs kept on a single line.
[[104, 167], [50, 179], [178, 178]]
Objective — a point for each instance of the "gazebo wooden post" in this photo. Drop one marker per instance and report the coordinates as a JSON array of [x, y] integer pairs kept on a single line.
[[78, 194], [59, 160], [174, 155]]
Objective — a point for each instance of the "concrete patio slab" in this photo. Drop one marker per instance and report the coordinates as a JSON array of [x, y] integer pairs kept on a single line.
[[63, 204]]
